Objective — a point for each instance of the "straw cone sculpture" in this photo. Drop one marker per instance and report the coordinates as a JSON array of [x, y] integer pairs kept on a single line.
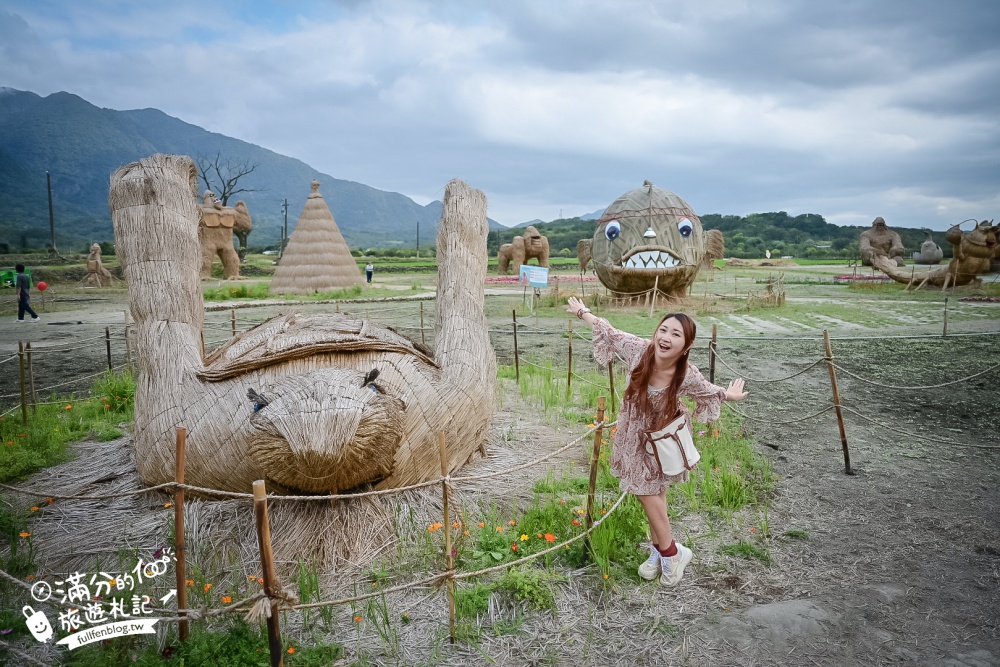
[[318, 419], [317, 258]]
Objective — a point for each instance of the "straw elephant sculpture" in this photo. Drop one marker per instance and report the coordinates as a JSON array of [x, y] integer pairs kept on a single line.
[[317, 403], [880, 241], [972, 255], [215, 234], [531, 245]]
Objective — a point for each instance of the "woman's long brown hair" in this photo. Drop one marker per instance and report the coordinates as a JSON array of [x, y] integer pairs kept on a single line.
[[637, 390]]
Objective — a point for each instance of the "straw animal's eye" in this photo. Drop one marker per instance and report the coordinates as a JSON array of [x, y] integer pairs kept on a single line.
[[613, 230], [685, 227]]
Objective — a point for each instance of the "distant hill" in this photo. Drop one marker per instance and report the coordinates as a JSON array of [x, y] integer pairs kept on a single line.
[[81, 144]]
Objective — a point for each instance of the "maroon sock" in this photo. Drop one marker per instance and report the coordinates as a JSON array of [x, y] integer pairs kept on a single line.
[[669, 551], [656, 546]]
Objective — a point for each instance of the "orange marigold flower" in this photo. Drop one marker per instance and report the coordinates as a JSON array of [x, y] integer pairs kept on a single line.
[[30, 577], [549, 537], [606, 575], [68, 407], [499, 529], [357, 619], [434, 526], [10, 442], [226, 599], [24, 533], [49, 501], [513, 547], [207, 586], [189, 582], [168, 504], [482, 525], [562, 502], [260, 580], [291, 649], [576, 522], [752, 529], [465, 532], [512, 522], [715, 433], [456, 524], [34, 508]]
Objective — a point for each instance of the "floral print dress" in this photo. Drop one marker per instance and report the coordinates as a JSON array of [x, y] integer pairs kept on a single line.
[[635, 468]]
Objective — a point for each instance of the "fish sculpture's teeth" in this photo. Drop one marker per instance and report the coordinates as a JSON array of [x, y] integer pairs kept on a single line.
[[650, 259]]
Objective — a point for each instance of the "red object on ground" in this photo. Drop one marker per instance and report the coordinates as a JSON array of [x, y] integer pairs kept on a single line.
[[42, 286]]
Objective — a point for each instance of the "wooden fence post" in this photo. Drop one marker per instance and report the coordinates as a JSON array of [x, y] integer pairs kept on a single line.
[[423, 341], [128, 343], [271, 587], [945, 331], [652, 301], [611, 380], [24, 397], [232, 313], [569, 365], [180, 548], [31, 378], [449, 563], [711, 353], [598, 436], [836, 402], [107, 343], [517, 367]]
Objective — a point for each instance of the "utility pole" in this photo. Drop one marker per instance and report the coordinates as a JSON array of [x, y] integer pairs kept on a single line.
[[284, 230], [418, 239], [52, 220]]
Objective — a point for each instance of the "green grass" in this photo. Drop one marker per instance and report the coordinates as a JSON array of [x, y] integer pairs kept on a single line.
[[747, 551]]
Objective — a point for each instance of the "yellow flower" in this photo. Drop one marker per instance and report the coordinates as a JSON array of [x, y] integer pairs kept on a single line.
[[606, 575], [524, 538], [581, 512]]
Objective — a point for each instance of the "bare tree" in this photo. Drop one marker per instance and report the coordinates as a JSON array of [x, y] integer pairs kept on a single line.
[[222, 176]]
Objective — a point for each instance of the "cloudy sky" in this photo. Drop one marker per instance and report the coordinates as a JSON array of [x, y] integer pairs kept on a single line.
[[850, 109]]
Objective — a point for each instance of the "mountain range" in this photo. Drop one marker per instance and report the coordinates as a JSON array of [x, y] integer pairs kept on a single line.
[[80, 144]]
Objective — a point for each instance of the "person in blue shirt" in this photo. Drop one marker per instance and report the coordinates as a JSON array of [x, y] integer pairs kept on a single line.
[[23, 284]]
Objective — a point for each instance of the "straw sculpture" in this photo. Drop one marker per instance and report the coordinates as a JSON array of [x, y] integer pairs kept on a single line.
[[583, 253], [215, 234], [880, 240], [317, 258], [648, 237], [530, 245], [971, 257], [97, 275], [715, 248], [930, 252], [314, 403]]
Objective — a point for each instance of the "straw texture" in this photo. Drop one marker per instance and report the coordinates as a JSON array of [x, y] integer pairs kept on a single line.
[[319, 422], [317, 258]]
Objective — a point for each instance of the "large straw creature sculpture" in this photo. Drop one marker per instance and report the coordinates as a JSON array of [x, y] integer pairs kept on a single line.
[[320, 419], [972, 254]]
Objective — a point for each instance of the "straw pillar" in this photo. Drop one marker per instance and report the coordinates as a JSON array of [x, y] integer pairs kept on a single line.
[[128, 342], [836, 402], [517, 367], [449, 563], [271, 586], [711, 353], [180, 549], [598, 435]]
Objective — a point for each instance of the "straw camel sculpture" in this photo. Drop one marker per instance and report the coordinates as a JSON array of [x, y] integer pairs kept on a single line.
[[972, 255], [318, 421]]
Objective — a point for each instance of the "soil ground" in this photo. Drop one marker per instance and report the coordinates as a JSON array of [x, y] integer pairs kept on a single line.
[[901, 561]]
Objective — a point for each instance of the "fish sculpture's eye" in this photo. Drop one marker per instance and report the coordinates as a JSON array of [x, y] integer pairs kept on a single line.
[[613, 230], [685, 227]]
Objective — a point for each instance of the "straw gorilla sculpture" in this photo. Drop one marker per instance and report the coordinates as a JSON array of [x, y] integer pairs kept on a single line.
[[647, 237], [531, 245], [215, 232], [317, 419], [880, 241]]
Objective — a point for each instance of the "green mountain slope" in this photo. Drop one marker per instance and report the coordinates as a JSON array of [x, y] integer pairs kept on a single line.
[[81, 144]]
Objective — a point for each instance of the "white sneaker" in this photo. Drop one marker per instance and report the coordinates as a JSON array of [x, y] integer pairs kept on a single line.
[[36, 319], [672, 567], [19, 321], [651, 568]]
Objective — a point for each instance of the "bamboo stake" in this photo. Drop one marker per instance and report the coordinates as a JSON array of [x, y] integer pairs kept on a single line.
[[232, 312], [711, 353], [128, 343], [31, 378], [611, 380], [944, 333], [107, 343], [24, 398], [836, 402], [517, 367], [652, 301], [447, 537], [598, 435], [422, 341], [270, 577], [180, 548], [569, 365]]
